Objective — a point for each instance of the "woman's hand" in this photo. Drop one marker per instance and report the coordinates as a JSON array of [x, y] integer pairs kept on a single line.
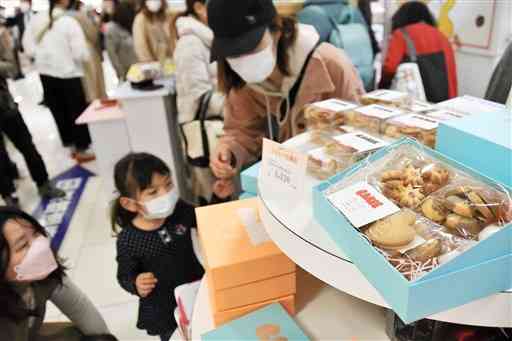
[[145, 283], [221, 163], [223, 188]]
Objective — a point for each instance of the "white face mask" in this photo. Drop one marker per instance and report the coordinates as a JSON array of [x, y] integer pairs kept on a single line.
[[163, 206], [154, 5], [254, 68], [25, 7]]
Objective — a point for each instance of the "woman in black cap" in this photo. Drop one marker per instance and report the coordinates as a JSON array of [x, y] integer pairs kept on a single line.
[[270, 67]]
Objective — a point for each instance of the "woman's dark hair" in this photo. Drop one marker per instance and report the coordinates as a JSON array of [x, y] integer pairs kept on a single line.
[[52, 4], [188, 11], [160, 15], [124, 15], [133, 174], [229, 79], [11, 302], [411, 13]]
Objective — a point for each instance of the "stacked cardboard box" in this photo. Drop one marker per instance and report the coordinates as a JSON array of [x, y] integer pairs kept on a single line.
[[242, 276]]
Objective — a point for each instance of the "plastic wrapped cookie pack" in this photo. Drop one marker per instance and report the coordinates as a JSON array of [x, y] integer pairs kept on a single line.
[[421, 127], [371, 118], [387, 97], [341, 151], [443, 211], [327, 115]]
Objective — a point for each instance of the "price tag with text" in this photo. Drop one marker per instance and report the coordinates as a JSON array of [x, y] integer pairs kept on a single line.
[[362, 204], [282, 168]]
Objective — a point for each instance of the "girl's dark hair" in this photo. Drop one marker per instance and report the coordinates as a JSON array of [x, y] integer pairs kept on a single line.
[[11, 302], [133, 174], [124, 15], [411, 13], [160, 15], [188, 11], [229, 79]]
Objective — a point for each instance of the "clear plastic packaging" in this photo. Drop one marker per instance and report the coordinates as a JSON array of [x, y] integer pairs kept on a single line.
[[371, 117], [420, 127], [444, 211], [468, 207], [340, 152], [425, 245], [387, 97], [326, 115]]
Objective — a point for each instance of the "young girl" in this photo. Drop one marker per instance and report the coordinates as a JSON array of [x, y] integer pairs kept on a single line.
[[154, 246]]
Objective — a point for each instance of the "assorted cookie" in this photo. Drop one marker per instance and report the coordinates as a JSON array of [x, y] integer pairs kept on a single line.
[[409, 186], [466, 209], [394, 232]]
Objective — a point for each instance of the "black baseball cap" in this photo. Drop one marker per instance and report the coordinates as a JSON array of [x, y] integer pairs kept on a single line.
[[238, 25]]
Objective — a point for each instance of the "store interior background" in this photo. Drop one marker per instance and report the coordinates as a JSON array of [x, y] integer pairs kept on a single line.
[[89, 247]]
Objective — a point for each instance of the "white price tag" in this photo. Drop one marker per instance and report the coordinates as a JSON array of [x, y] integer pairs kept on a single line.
[[335, 105], [283, 169], [379, 111], [419, 106], [418, 121], [386, 95], [361, 142], [362, 204], [445, 115]]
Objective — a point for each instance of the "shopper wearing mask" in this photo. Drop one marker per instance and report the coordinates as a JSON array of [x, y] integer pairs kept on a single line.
[[30, 276], [270, 68], [154, 248], [196, 77], [58, 43], [152, 32], [119, 41]]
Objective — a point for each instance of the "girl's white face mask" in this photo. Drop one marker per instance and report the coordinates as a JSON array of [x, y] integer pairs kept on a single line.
[[163, 206], [154, 5], [255, 68], [39, 262]]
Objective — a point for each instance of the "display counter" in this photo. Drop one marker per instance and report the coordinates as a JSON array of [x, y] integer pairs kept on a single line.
[[290, 224]]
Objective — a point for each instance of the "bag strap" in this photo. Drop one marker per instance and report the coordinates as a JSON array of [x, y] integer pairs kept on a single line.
[[292, 94], [411, 50], [46, 28], [202, 110]]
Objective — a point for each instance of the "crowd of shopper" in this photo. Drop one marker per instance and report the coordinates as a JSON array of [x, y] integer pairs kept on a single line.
[[255, 69]]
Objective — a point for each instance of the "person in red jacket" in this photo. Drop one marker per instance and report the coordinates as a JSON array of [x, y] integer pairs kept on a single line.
[[435, 56]]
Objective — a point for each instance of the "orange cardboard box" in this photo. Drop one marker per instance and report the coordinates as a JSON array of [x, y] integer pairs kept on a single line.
[[287, 302], [231, 259], [252, 293]]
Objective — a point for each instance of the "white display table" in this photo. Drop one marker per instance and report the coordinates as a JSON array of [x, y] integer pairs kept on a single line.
[[110, 140], [152, 125], [290, 224], [323, 312]]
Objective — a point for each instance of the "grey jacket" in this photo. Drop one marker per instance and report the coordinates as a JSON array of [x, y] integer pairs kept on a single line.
[[8, 69], [69, 299], [119, 44], [501, 80]]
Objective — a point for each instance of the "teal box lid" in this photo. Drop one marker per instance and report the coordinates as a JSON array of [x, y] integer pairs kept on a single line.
[[482, 142], [269, 323], [249, 178]]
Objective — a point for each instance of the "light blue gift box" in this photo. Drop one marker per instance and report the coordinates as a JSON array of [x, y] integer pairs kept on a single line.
[[245, 328], [483, 270], [249, 178], [481, 141], [246, 195]]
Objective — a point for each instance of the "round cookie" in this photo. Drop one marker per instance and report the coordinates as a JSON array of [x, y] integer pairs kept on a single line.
[[433, 210], [393, 232]]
